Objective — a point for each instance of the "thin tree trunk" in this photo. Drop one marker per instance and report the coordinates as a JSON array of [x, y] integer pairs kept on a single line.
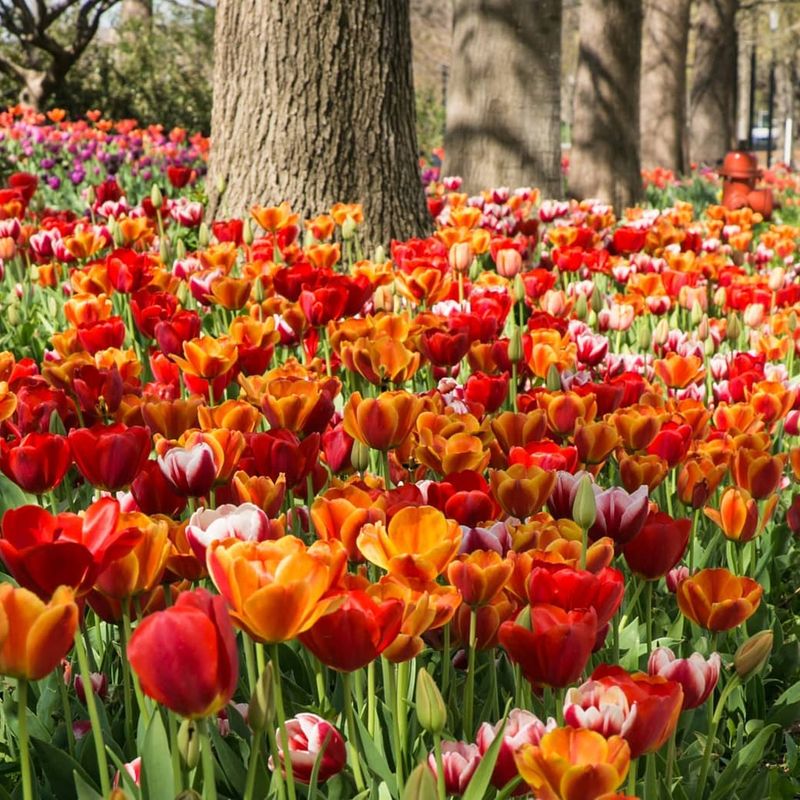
[[604, 159], [665, 39], [504, 95], [314, 104], [713, 99]]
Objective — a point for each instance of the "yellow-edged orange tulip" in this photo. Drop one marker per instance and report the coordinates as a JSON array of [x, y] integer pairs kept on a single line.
[[522, 491], [718, 600], [383, 422]]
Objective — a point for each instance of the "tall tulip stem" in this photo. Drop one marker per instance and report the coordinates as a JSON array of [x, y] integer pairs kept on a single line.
[[648, 616], [207, 757], [281, 712], [469, 691], [440, 784], [712, 729], [94, 718], [24, 754], [62, 691], [352, 738]]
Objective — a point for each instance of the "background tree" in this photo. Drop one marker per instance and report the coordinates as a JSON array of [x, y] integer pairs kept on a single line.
[[713, 96], [662, 118], [136, 10], [504, 96], [314, 104], [604, 159], [46, 48]]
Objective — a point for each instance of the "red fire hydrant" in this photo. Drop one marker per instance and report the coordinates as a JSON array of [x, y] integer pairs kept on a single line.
[[740, 172]]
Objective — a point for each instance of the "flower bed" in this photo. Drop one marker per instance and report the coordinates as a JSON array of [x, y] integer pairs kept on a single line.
[[506, 510]]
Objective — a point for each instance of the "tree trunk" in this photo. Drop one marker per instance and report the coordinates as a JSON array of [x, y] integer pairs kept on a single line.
[[37, 86], [713, 100], [504, 95], [665, 39], [314, 104], [604, 159]]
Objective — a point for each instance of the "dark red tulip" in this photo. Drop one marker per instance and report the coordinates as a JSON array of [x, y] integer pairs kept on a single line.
[[154, 494], [173, 332], [102, 335], [279, 451], [37, 462], [323, 304], [110, 456], [337, 445], [230, 230], [97, 389], [488, 390], [443, 348], [151, 306], [659, 546], [179, 176]]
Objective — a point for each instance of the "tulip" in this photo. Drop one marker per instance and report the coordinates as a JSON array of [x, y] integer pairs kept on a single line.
[[190, 470], [620, 515], [717, 600], [521, 728], [737, 516], [757, 472], [752, 655], [154, 494], [570, 764], [479, 576], [99, 681], [37, 463], [207, 358], [246, 522], [522, 491], [384, 422], [110, 456], [34, 635], [355, 633], [643, 709], [430, 706], [556, 647], [277, 589], [658, 547], [311, 740], [696, 675], [459, 762], [43, 551], [279, 452], [185, 657], [418, 543]]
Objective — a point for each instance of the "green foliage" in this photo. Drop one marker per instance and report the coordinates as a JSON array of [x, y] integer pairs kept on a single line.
[[430, 121]]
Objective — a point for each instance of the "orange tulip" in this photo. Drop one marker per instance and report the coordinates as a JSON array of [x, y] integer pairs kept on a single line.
[[8, 402], [737, 517], [231, 294], [171, 418], [85, 308], [574, 764], [479, 576], [717, 600], [517, 430], [383, 422], [341, 514], [235, 415], [380, 359], [595, 441], [35, 636], [638, 426], [206, 357], [794, 454], [771, 400], [548, 349], [698, 479], [737, 418], [522, 491], [299, 405], [277, 589], [274, 218], [453, 454], [488, 619], [758, 472], [639, 470], [267, 494], [565, 410], [418, 543]]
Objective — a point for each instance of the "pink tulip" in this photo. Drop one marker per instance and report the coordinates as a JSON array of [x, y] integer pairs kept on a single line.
[[698, 676], [134, 769], [99, 683], [192, 471], [620, 515], [246, 522], [459, 760], [308, 734]]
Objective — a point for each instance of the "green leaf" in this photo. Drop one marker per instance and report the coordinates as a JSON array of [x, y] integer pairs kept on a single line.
[[59, 768], [156, 762], [231, 762], [745, 759], [375, 761], [483, 774], [83, 790], [786, 709], [11, 496]]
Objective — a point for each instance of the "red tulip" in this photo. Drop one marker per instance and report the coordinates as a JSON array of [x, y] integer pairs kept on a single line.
[[356, 633], [554, 650], [280, 451], [37, 462], [110, 456], [102, 335], [179, 176], [488, 390], [444, 348], [43, 552], [151, 306], [154, 494], [659, 546], [186, 656]]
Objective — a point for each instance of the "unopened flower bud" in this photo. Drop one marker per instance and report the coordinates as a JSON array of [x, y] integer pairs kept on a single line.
[[189, 743], [752, 656], [709, 347], [598, 301], [431, 710], [460, 257], [703, 329], [359, 456], [519, 288], [247, 233], [188, 794], [793, 321], [156, 197], [696, 313], [661, 332], [515, 346], [475, 270], [203, 235], [734, 327], [348, 228], [644, 337], [90, 196], [421, 785], [164, 252], [180, 249], [553, 379], [221, 185], [581, 308], [584, 506], [262, 702], [380, 254]]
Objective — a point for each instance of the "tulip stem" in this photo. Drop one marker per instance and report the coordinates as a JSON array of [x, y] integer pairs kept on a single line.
[[126, 674], [469, 690], [24, 755], [371, 698], [281, 712], [207, 756], [732, 684], [446, 661], [671, 758], [91, 707], [62, 691], [177, 771], [127, 633], [648, 616], [631, 790], [252, 765], [250, 662], [347, 692], [437, 749]]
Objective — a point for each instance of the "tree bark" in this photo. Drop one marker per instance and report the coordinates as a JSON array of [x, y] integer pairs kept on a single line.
[[504, 95], [604, 159], [713, 98], [665, 40], [314, 104]]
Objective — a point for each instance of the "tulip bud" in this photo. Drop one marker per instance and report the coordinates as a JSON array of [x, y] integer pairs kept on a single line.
[[584, 506], [431, 710], [221, 185], [189, 743], [734, 327], [247, 232], [380, 254], [709, 348], [553, 379], [519, 289], [696, 313], [703, 330], [262, 703], [359, 456], [515, 346], [156, 197], [164, 252], [348, 228], [581, 308], [752, 656], [180, 249], [598, 301], [644, 337], [661, 332], [90, 196], [118, 794], [475, 270], [793, 321], [421, 785], [203, 236]]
